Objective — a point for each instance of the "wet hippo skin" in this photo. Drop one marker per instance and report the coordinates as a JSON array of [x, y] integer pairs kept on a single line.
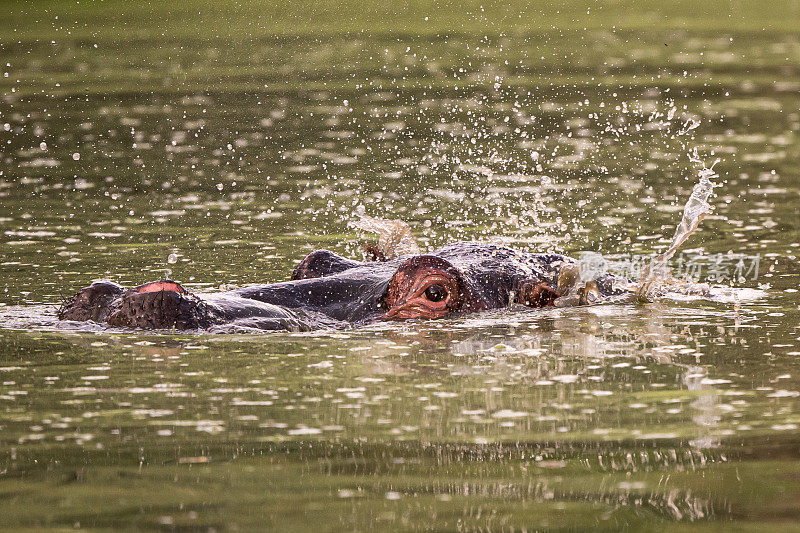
[[330, 291]]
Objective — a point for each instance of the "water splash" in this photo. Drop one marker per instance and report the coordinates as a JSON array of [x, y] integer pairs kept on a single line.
[[394, 236], [694, 212]]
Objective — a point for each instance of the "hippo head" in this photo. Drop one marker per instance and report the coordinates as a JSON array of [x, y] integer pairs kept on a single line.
[[327, 290], [458, 278], [422, 286]]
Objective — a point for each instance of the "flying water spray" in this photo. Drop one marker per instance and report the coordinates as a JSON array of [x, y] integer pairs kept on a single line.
[[695, 210], [394, 236]]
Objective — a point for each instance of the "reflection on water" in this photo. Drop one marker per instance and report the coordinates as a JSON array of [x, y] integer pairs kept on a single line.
[[591, 411], [226, 164]]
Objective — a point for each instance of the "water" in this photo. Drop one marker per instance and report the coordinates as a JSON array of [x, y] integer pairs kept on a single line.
[[695, 210], [223, 145], [395, 237]]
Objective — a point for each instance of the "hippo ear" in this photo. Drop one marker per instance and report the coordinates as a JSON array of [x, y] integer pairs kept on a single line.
[[374, 254], [428, 286], [322, 263]]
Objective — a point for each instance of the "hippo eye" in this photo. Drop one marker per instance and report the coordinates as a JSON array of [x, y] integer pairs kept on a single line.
[[435, 293]]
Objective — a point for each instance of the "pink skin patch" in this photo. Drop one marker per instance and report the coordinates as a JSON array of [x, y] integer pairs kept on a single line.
[[407, 296], [158, 286]]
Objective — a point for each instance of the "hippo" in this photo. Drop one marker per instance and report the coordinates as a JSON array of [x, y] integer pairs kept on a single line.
[[327, 290]]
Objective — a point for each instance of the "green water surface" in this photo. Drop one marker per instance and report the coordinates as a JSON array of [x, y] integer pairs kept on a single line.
[[241, 136]]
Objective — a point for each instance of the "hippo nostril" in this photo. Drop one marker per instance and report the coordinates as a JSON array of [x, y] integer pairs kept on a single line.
[[160, 286]]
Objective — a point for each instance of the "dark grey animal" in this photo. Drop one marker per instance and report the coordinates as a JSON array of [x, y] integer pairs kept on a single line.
[[330, 291]]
